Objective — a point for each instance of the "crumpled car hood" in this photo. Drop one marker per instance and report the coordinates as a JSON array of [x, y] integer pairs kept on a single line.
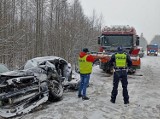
[[21, 91], [13, 73]]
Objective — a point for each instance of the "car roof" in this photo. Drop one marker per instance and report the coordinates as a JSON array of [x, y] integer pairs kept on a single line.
[[38, 60], [41, 59]]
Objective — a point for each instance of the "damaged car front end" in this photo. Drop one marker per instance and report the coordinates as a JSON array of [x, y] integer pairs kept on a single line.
[[23, 90]]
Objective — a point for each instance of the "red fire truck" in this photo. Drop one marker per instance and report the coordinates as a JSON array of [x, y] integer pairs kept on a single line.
[[115, 36], [152, 49]]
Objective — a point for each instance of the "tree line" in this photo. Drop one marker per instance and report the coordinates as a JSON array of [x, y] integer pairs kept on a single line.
[[33, 28]]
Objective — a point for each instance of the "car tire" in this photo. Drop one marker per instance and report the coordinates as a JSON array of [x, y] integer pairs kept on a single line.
[[55, 90]]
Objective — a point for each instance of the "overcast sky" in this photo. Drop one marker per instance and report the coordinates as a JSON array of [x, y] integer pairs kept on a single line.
[[144, 15]]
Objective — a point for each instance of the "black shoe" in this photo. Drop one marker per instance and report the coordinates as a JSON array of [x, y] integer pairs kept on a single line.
[[126, 102], [112, 101], [79, 96], [85, 98]]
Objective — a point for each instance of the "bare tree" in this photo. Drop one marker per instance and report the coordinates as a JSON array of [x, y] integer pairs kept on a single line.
[[31, 28]]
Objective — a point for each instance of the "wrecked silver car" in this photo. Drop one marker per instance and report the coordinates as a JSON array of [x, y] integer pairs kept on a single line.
[[63, 69], [38, 81]]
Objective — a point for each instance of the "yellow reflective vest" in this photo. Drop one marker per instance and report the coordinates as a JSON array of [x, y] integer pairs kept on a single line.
[[121, 60], [85, 67]]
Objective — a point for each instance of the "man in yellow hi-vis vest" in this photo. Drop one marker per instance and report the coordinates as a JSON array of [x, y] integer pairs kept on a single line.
[[121, 61], [85, 62]]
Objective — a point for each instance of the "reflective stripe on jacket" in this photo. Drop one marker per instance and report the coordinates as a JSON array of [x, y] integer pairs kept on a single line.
[[121, 60], [85, 67]]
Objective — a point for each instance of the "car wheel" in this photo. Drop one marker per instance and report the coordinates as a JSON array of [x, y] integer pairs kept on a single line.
[[55, 90], [76, 87]]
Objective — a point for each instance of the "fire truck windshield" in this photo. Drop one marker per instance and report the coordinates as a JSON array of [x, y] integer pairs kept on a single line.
[[117, 40], [152, 46]]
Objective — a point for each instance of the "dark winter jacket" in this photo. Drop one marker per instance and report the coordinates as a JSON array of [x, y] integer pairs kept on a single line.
[[113, 60]]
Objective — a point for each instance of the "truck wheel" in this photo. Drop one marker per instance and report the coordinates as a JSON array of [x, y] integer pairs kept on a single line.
[[140, 56], [55, 90], [109, 71], [131, 71]]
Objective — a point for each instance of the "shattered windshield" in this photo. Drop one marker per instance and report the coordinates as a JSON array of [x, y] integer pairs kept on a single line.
[[117, 40]]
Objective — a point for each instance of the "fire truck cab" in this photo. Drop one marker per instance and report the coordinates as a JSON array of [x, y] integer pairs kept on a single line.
[[115, 36], [152, 49]]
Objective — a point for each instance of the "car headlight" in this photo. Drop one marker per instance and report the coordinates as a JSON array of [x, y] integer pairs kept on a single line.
[[156, 52]]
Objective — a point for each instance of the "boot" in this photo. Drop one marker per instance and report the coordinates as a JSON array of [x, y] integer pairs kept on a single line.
[[85, 98], [112, 100], [126, 102], [79, 95]]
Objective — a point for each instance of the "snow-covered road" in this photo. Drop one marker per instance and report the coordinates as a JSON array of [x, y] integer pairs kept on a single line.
[[144, 92]]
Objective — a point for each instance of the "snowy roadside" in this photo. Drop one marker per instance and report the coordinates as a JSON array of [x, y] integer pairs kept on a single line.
[[144, 92]]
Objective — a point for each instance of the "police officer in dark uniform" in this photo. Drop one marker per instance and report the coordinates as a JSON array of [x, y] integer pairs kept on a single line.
[[121, 61]]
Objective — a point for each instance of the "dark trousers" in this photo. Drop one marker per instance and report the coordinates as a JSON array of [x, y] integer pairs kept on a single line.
[[120, 75]]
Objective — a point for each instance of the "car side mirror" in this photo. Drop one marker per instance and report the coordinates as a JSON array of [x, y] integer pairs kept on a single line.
[[98, 40], [137, 42]]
